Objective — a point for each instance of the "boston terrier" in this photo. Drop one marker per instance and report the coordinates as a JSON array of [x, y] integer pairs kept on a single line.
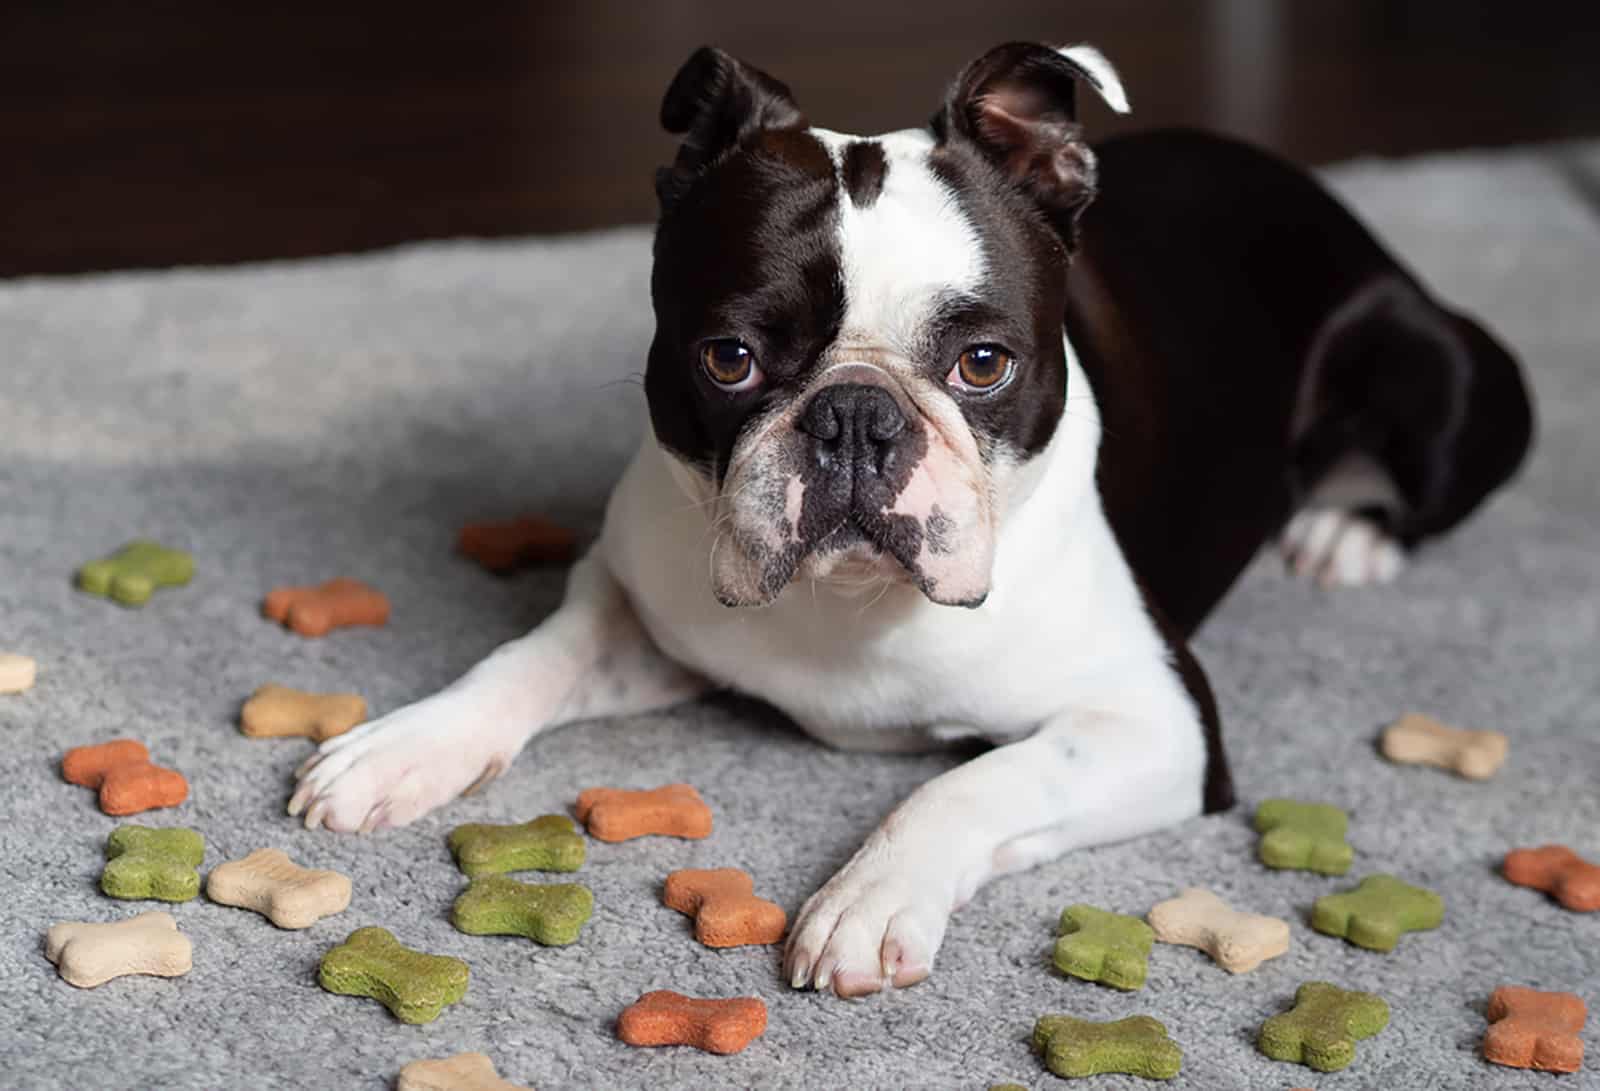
[[959, 432]]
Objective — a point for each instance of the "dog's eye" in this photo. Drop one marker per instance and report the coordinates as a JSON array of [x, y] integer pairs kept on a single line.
[[729, 363], [981, 367]]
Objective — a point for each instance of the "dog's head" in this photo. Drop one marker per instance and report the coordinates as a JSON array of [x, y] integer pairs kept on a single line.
[[859, 340]]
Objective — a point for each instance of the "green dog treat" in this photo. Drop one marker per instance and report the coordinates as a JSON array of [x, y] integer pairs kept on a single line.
[[552, 914], [146, 863], [1136, 1046], [1377, 912], [551, 843], [131, 574], [1106, 947], [1007, 1087], [1303, 836], [415, 986], [1322, 1028]]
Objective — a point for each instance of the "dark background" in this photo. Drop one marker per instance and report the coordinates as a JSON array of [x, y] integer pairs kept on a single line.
[[147, 134]]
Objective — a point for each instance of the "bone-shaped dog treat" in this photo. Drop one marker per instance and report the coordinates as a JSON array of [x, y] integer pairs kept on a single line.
[[1239, 942], [463, 1072], [17, 672], [1559, 872], [506, 547], [548, 843], [1421, 740], [1533, 1029], [666, 1018], [1322, 1028], [552, 914], [87, 955], [276, 712], [122, 773], [146, 863], [132, 574], [414, 986], [288, 895], [1136, 1046], [617, 814], [724, 906], [1377, 912], [1303, 836], [1109, 948], [317, 611]]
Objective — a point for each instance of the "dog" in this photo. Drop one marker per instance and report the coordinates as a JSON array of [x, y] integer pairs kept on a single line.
[[960, 432]]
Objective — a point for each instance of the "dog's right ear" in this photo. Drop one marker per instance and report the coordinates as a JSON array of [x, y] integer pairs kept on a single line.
[[716, 101]]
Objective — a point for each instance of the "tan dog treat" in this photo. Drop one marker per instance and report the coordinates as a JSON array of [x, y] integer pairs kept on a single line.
[[92, 954], [317, 611], [463, 1072], [17, 672], [1239, 942], [277, 712], [288, 895], [618, 814], [1416, 739], [724, 906]]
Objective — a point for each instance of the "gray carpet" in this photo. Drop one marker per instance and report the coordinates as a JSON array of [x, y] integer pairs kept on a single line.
[[293, 422]]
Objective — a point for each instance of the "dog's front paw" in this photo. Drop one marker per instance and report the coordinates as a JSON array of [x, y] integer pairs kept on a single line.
[[398, 768]]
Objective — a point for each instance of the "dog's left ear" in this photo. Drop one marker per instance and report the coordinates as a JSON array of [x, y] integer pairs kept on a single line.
[[1018, 104]]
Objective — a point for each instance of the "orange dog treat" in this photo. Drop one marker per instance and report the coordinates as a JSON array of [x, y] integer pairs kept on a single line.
[[1533, 1029], [666, 1018], [127, 780], [724, 906], [1559, 872], [506, 547], [617, 814], [317, 611], [276, 712]]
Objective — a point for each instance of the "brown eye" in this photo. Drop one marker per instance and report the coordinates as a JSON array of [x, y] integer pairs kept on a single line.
[[729, 363], [981, 367]]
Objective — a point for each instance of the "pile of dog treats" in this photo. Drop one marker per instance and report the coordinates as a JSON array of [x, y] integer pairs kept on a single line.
[[1528, 1028]]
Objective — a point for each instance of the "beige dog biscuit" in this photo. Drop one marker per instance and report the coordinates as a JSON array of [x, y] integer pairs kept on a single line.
[[463, 1072], [288, 895], [1239, 942], [92, 954], [1421, 740], [275, 712], [17, 672]]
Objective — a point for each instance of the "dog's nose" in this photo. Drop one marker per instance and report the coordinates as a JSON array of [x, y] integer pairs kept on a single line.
[[853, 423]]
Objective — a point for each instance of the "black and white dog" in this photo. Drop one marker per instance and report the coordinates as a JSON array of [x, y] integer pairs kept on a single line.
[[960, 432]]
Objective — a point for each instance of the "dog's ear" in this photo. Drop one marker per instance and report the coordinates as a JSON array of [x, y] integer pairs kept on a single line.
[[715, 101], [1018, 104]]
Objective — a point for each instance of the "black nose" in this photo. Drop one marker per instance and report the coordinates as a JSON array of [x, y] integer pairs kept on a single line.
[[853, 423]]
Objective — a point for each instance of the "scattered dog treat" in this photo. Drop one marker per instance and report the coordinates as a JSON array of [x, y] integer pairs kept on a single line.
[[122, 772], [1007, 1087], [666, 1018], [617, 814], [288, 895], [1136, 1046], [1303, 836], [132, 574], [414, 986], [1377, 912], [724, 906], [551, 914], [276, 712], [145, 863], [463, 1072], [1421, 740], [506, 547], [1238, 942], [1557, 871], [87, 955], [548, 843], [1323, 1027], [1533, 1029], [317, 611], [17, 672], [1108, 948]]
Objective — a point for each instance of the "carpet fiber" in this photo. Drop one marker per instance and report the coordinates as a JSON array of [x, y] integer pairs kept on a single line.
[[288, 423]]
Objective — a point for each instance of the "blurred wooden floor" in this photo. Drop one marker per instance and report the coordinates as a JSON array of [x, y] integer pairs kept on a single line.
[[155, 134]]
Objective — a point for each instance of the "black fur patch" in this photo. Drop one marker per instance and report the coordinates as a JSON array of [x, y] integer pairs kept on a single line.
[[864, 166]]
